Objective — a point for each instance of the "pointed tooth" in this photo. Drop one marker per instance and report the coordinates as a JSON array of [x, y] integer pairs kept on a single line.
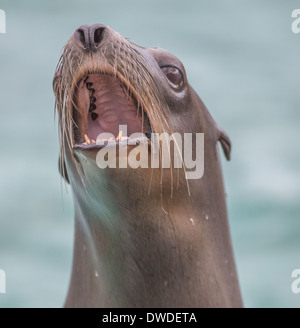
[[87, 139], [119, 136]]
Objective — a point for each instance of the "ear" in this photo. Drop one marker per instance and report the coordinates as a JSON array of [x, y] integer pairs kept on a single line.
[[225, 142], [62, 169]]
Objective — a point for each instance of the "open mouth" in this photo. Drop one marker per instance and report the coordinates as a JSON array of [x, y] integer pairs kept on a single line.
[[103, 103]]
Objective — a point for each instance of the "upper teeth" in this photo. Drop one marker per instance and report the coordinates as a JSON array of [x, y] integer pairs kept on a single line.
[[93, 99]]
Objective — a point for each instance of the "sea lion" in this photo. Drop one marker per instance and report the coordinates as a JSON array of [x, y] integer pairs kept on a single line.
[[144, 237]]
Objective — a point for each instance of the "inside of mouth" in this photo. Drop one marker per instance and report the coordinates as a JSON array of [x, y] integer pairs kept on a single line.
[[102, 105]]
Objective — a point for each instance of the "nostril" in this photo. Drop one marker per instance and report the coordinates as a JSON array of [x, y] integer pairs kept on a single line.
[[98, 35], [80, 36]]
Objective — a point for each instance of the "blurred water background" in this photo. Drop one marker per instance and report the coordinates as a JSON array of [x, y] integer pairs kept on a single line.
[[243, 60]]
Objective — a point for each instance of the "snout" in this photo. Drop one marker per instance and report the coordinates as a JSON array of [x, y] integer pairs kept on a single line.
[[89, 37]]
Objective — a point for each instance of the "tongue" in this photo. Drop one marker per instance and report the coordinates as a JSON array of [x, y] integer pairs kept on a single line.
[[104, 106]]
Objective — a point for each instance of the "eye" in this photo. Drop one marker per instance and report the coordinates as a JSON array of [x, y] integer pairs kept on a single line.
[[174, 76]]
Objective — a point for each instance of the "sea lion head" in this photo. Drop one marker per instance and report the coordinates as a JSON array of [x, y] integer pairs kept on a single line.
[[103, 80], [131, 248]]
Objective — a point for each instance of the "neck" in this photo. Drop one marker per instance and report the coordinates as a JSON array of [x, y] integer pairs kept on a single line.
[[133, 249]]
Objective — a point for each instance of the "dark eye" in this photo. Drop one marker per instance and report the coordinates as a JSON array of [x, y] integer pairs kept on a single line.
[[174, 76]]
